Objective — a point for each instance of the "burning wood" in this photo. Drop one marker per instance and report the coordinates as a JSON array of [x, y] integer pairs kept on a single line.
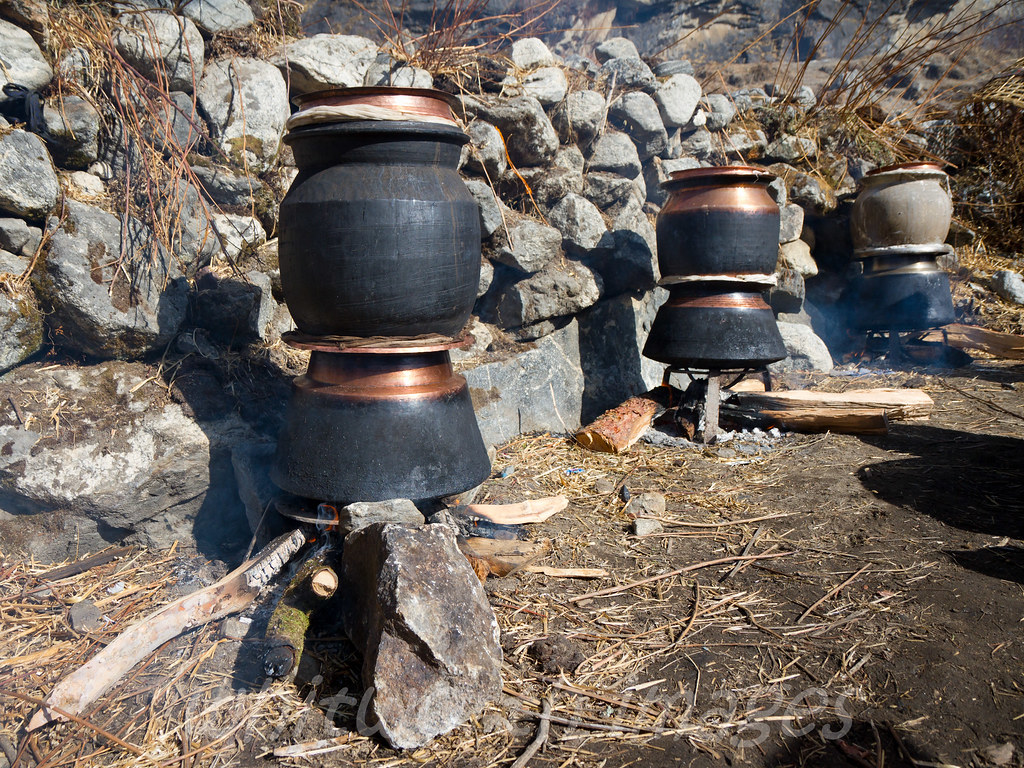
[[1008, 346]]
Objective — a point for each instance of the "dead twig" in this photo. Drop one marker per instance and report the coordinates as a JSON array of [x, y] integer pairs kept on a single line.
[[542, 735], [677, 572], [832, 593]]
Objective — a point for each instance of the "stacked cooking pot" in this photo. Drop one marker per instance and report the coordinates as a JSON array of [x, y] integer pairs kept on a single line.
[[899, 224], [718, 242], [380, 260]]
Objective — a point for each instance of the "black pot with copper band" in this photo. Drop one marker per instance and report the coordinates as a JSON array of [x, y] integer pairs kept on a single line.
[[718, 221], [905, 292], [379, 235], [715, 325], [369, 424]]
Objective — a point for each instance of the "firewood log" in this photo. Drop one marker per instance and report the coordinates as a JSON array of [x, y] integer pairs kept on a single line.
[[616, 430]]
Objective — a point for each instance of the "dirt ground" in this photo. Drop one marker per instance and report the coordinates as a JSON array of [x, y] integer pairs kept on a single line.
[[880, 625]]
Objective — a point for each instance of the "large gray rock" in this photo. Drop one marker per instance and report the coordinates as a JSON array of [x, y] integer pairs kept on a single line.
[[796, 255], [790, 149], [556, 291], [239, 235], [166, 48], [490, 207], [788, 294], [18, 237], [353, 517], [235, 311], [213, 16], [174, 125], [246, 101], [677, 99], [93, 308], [548, 85], [21, 327], [1009, 286], [720, 111], [485, 152], [194, 239], [615, 153], [609, 190], [628, 73], [28, 182], [579, 221], [386, 70], [791, 222], [530, 246], [580, 117], [419, 615], [22, 61], [547, 185], [125, 462], [673, 67], [539, 389], [230, 189], [745, 144], [531, 52], [638, 115], [698, 144], [30, 15], [325, 61], [616, 48], [529, 136], [74, 128], [628, 264], [806, 352]]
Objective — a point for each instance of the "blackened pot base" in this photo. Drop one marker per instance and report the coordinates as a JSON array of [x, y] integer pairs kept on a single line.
[[371, 427], [714, 326]]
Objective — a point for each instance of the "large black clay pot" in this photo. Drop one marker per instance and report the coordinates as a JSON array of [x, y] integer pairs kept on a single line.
[[378, 424], [715, 325], [718, 221], [903, 293], [379, 236]]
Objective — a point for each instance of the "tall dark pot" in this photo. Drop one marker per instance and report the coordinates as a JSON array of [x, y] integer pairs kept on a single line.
[[906, 292], [370, 425], [379, 236], [718, 221]]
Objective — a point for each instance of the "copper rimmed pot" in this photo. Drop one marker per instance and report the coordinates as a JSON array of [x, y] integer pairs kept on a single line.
[[904, 292], [379, 236], [901, 206], [715, 325], [718, 221], [376, 424]]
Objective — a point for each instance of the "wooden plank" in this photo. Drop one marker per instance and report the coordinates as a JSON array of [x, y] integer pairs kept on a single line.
[[854, 421], [1007, 346], [897, 404]]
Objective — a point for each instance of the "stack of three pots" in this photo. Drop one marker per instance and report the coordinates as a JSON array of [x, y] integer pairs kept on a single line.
[[899, 224], [380, 260], [718, 243]]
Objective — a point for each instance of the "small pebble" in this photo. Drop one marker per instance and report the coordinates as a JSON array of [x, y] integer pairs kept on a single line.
[[726, 453], [624, 493], [508, 471], [116, 589], [604, 485], [645, 526], [646, 505], [84, 616], [235, 628], [774, 432], [997, 754]]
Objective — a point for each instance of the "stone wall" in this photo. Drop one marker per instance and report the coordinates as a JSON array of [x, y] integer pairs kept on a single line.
[[144, 367]]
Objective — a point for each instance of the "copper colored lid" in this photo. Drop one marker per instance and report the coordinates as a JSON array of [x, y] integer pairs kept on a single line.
[[719, 174], [421, 101]]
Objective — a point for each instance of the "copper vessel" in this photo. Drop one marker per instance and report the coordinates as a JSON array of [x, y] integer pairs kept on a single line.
[[369, 424], [424, 102], [718, 221], [715, 325]]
